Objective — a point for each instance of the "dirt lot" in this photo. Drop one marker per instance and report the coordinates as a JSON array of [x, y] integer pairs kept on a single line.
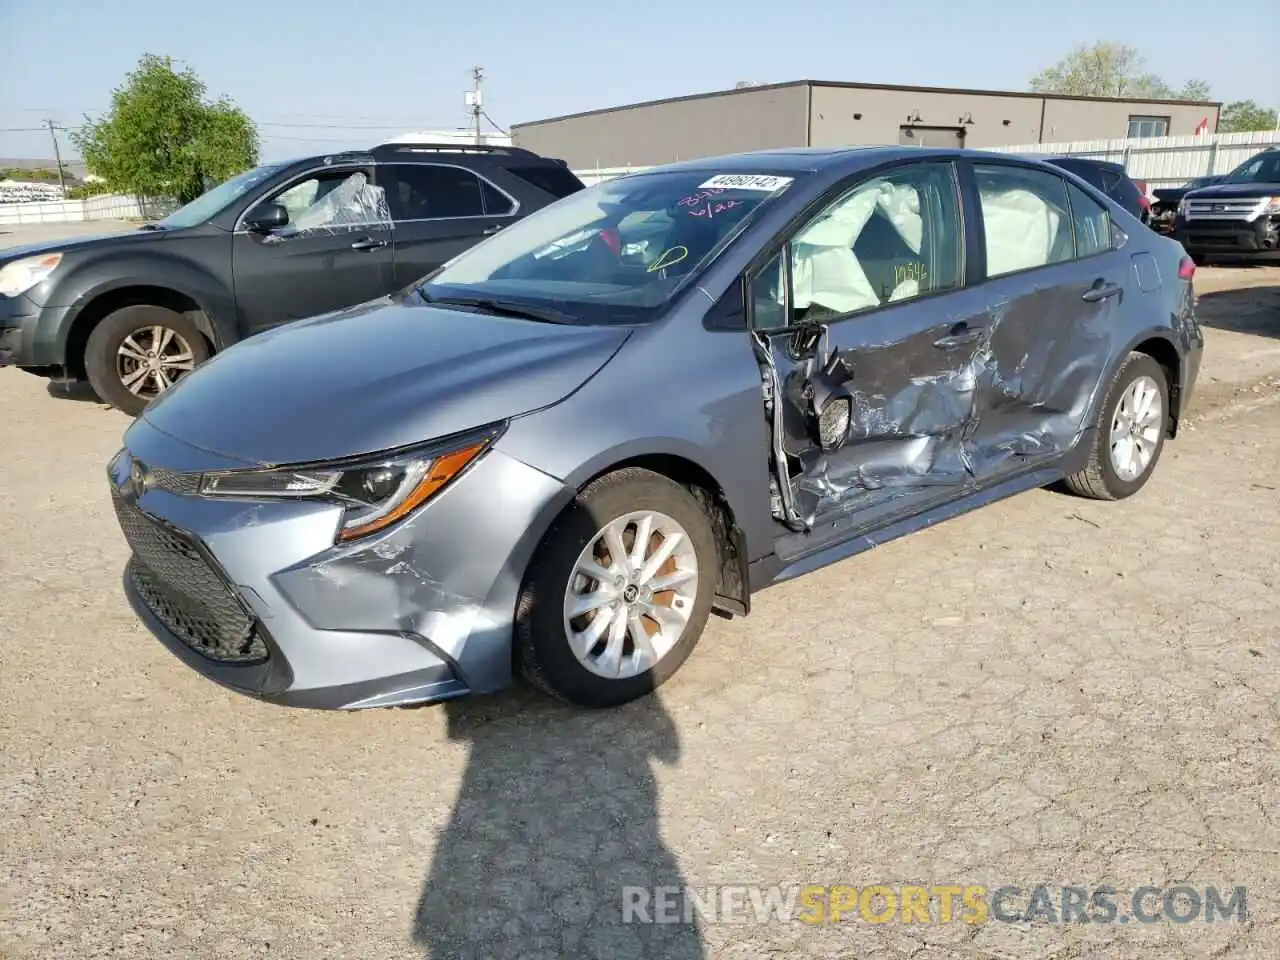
[[1047, 691]]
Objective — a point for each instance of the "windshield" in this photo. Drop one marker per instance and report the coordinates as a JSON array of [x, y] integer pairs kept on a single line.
[[1264, 168], [614, 252], [214, 201]]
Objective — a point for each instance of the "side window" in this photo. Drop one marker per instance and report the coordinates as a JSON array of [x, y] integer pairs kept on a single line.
[[496, 203], [1090, 222], [425, 191], [1112, 184], [1026, 216], [888, 239], [332, 198]]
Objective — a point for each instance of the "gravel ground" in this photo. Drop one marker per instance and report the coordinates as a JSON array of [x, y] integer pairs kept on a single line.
[[1049, 690]]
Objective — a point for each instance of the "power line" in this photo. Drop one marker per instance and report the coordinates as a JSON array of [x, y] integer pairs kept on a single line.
[[334, 126], [24, 129], [495, 124]]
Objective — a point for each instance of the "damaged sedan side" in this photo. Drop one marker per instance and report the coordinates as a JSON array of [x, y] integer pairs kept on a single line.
[[561, 452]]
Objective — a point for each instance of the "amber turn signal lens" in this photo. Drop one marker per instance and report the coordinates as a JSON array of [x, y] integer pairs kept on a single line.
[[443, 469]]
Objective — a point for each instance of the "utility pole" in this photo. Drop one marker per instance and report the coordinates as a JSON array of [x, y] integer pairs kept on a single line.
[[475, 100], [57, 157]]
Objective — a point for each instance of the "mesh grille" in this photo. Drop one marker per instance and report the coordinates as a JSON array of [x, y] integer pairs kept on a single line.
[[185, 592], [184, 484]]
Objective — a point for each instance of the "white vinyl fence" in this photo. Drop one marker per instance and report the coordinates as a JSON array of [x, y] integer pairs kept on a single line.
[[1165, 161], [1160, 161], [105, 207]]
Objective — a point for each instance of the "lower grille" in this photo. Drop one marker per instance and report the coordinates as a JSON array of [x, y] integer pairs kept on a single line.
[[185, 592]]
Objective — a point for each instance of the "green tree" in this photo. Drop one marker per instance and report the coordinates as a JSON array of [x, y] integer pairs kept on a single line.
[[161, 137], [1108, 69], [1242, 115]]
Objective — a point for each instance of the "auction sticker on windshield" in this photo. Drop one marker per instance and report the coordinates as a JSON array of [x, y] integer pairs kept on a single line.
[[746, 181]]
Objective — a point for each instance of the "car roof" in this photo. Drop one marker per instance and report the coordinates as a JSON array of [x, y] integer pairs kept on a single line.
[[815, 159]]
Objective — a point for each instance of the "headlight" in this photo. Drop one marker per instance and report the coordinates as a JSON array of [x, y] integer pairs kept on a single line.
[[374, 493], [21, 275], [1182, 207], [1272, 206]]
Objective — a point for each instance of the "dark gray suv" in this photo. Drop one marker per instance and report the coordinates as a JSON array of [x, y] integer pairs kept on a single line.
[[133, 313]]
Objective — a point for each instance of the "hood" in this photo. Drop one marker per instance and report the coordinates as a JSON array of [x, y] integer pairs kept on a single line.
[[1244, 190], [383, 375], [66, 245]]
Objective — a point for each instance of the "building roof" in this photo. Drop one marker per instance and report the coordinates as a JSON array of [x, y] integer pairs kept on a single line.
[[863, 86]]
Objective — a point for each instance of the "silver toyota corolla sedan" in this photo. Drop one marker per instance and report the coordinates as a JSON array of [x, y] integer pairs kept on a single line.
[[562, 451]]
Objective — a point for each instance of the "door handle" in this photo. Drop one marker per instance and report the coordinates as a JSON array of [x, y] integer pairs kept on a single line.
[[490, 231], [960, 334], [1100, 291], [368, 243]]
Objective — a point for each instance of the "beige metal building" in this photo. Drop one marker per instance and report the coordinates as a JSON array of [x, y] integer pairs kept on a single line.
[[819, 113]]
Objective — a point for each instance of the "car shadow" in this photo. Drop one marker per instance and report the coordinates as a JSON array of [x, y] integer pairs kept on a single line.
[[1254, 310], [556, 822]]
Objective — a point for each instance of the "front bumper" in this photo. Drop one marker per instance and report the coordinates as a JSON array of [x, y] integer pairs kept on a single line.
[[1257, 239], [18, 318], [421, 613]]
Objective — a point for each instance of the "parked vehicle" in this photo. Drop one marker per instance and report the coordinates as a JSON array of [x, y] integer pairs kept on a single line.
[[1237, 217], [563, 450], [1164, 207], [132, 313], [1112, 180]]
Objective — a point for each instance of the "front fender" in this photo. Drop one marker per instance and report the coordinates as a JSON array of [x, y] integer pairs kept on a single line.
[[85, 284]]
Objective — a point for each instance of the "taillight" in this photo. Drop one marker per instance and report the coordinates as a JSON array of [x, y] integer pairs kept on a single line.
[[1186, 269]]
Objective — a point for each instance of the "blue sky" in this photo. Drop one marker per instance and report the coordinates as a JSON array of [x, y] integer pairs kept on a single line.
[[322, 74]]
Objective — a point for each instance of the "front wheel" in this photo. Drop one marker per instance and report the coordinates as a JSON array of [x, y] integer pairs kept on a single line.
[[619, 591], [136, 353], [1129, 434]]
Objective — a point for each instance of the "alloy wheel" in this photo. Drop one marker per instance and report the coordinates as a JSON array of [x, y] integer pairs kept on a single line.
[[151, 359], [1135, 429]]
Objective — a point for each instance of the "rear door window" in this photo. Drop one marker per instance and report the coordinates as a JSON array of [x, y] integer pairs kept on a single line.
[[1026, 218], [428, 191]]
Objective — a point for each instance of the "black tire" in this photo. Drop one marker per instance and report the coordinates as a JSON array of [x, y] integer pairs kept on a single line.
[[1099, 480], [542, 647], [105, 340]]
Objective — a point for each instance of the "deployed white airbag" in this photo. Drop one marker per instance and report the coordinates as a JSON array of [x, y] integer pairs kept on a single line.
[[1021, 228], [825, 271]]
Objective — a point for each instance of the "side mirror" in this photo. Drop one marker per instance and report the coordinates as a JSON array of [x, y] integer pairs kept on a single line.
[[266, 217]]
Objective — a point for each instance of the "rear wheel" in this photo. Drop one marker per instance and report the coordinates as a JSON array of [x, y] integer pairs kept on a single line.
[[136, 353], [1130, 433], [619, 591]]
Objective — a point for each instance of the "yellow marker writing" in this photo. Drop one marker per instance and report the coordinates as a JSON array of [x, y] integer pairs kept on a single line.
[[669, 258]]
